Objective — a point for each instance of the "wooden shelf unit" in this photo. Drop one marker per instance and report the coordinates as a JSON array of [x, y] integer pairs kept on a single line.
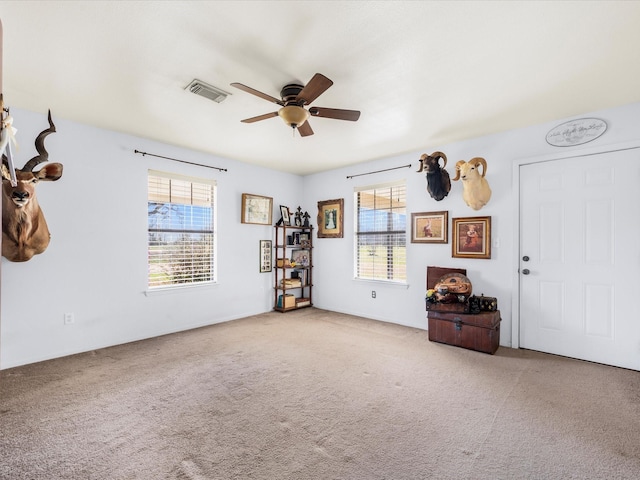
[[297, 289]]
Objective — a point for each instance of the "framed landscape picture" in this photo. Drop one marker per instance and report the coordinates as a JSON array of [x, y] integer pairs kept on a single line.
[[256, 209], [430, 227], [330, 218], [471, 237]]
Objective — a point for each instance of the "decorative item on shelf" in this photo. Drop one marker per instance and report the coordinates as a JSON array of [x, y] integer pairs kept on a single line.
[[286, 301], [305, 240], [306, 217], [303, 302], [290, 282], [283, 262], [285, 219], [300, 257], [298, 217], [302, 274]]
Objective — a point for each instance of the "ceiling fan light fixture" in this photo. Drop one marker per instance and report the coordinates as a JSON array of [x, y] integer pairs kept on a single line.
[[293, 115]]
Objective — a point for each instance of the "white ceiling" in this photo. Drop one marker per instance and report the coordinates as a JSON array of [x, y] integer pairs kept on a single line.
[[423, 74]]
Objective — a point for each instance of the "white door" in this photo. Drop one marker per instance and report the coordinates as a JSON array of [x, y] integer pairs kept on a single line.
[[580, 257]]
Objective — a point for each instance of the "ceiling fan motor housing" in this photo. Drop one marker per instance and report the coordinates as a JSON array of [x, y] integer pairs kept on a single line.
[[290, 92]]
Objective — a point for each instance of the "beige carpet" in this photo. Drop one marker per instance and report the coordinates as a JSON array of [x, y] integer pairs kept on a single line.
[[316, 395]]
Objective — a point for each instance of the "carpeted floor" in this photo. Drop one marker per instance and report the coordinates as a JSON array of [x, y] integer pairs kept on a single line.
[[312, 394]]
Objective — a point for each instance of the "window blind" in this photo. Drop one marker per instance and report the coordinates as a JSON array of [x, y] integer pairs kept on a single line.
[[380, 232], [181, 230]]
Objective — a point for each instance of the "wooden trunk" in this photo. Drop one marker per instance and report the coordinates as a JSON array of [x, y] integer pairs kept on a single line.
[[479, 332]]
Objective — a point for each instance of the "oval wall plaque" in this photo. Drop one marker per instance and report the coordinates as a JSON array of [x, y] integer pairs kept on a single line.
[[576, 132]]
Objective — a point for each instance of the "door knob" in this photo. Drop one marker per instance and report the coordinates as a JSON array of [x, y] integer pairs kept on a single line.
[[526, 271], [525, 259]]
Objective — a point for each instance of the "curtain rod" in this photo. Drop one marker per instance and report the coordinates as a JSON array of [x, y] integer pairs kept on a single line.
[[378, 171], [182, 161]]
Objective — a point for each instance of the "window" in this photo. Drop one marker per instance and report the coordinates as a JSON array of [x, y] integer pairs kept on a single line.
[[380, 232], [182, 236]]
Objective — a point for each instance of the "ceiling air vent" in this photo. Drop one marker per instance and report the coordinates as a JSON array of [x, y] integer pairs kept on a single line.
[[207, 91]]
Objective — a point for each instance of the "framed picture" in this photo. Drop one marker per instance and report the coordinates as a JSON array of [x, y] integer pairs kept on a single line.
[[430, 227], [256, 209], [305, 240], [301, 257], [330, 218], [471, 237], [284, 213], [265, 256]]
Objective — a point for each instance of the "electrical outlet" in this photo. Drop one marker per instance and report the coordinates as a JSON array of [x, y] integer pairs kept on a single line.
[[373, 294], [69, 318]]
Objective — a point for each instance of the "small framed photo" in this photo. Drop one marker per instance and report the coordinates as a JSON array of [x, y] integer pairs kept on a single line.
[[430, 227], [330, 218], [256, 209], [284, 213], [305, 240], [301, 258], [471, 237], [265, 256]]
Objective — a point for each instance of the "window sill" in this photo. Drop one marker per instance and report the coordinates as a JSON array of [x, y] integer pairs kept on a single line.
[[178, 289], [386, 283]]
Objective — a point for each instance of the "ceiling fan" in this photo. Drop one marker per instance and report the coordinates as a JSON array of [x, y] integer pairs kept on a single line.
[[293, 99]]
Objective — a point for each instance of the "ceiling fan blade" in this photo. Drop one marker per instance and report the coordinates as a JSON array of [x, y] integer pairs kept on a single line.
[[305, 129], [339, 114], [260, 117], [316, 87], [257, 93]]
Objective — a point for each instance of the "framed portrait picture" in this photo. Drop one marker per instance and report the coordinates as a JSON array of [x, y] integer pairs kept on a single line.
[[330, 218], [430, 227], [301, 258], [256, 209], [471, 237], [284, 213], [265, 256]]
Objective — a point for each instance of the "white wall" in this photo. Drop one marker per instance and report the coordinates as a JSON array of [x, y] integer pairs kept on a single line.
[[333, 258], [95, 266]]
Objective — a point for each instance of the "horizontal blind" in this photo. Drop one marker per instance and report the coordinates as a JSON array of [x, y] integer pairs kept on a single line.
[[380, 233], [181, 233]]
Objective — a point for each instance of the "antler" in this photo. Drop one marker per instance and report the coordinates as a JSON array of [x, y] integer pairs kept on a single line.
[[480, 161], [42, 156]]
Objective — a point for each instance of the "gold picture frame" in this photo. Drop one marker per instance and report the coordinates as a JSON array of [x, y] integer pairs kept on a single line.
[[471, 237], [256, 209], [430, 227], [330, 218]]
